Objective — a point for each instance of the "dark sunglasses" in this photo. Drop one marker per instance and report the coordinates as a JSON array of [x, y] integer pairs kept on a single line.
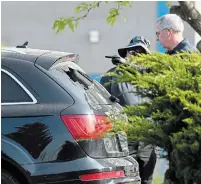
[[136, 51]]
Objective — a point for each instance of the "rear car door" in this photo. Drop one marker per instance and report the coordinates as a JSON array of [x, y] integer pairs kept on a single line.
[[15, 101]]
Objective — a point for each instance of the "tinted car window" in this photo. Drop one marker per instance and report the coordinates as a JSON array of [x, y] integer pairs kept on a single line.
[[94, 93], [11, 91]]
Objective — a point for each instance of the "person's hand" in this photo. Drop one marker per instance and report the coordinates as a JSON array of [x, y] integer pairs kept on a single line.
[[116, 60]]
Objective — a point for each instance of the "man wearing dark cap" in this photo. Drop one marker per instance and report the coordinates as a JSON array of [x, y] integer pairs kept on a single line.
[[123, 90], [127, 95]]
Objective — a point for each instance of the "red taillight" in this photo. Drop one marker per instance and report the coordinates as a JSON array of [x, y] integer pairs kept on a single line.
[[87, 126], [102, 175]]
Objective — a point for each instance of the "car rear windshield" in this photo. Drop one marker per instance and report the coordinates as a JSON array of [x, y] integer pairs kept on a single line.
[[73, 79]]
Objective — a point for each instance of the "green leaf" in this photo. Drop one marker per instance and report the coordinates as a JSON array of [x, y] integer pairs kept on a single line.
[[113, 13], [168, 4], [72, 22], [59, 25], [95, 4], [71, 25], [111, 20], [125, 3], [124, 18], [78, 9], [188, 121], [81, 7]]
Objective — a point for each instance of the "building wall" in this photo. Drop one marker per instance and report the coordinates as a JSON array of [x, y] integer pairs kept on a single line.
[[32, 21]]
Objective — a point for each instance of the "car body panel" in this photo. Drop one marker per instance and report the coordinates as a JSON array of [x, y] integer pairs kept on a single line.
[[37, 141], [78, 167]]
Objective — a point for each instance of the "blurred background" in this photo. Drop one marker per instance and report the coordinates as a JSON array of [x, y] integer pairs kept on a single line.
[[93, 39]]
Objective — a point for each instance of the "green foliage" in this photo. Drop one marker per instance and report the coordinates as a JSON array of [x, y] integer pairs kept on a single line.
[[169, 4], [157, 180], [171, 118], [81, 7], [72, 22], [113, 13], [61, 23]]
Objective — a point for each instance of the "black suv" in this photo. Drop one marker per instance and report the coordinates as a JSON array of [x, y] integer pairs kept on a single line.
[[55, 123]]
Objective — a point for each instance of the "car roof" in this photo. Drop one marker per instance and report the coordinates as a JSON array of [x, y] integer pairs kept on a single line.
[[44, 58]]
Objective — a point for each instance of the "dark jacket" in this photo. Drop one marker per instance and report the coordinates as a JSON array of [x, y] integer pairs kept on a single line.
[[183, 46], [125, 92]]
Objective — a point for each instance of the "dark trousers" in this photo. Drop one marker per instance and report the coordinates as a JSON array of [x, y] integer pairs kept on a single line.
[[146, 158]]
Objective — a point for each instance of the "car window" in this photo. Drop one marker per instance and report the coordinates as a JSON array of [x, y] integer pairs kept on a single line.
[[13, 92], [66, 73]]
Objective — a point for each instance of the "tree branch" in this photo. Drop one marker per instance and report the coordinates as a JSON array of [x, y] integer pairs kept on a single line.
[[88, 10], [188, 12], [72, 22]]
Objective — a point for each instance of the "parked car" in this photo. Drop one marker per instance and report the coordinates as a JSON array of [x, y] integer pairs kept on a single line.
[[55, 123]]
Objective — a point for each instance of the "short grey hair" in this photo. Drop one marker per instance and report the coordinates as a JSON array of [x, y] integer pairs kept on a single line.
[[169, 21]]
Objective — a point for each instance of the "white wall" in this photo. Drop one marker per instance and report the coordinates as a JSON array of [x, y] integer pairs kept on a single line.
[[32, 21]]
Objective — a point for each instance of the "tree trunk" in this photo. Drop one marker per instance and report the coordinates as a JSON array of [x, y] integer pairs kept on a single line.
[[187, 11]]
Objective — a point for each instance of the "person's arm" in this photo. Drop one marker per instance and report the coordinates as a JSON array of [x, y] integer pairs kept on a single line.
[[105, 81]]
